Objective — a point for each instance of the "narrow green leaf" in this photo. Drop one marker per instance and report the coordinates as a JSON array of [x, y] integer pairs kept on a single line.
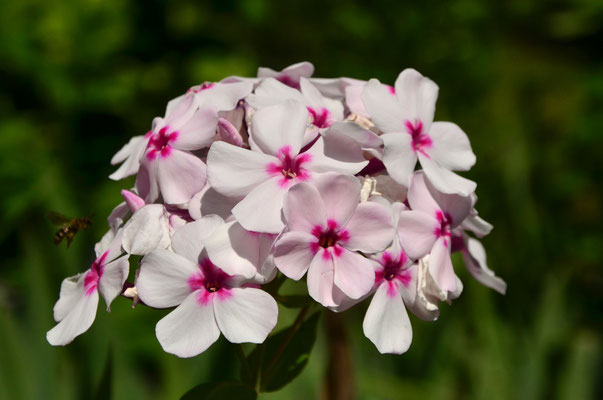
[[220, 391], [103, 391]]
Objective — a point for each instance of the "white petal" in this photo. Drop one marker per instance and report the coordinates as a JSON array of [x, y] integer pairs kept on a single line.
[[188, 241], [477, 225], [223, 96], [416, 233], [321, 286], [234, 171], [72, 289], [112, 280], [386, 322], [271, 92], [146, 231], [475, 261], [440, 266], [354, 274], [76, 322], [340, 195], [130, 155], [456, 206], [163, 278], [383, 108], [444, 180], [197, 132], [188, 330], [180, 176], [248, 315], [292, 253], [260, 210], [303, 208], [399, 157], [280, 125], [451, 148], [335, 161], [370, 228], [417, 94]]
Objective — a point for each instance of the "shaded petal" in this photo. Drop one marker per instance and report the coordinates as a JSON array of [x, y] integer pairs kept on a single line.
[[229, 133], [280, 125], [111, 282], [370, 228], [383, 108], [188, 330], [146, 231], [72, 289], [440, 266], [130, 155], [340, 195], [188, 240], [353, 99], [260, 210], [399, 157], [77, 321], [386, 322], [233, 171], [458, 207], [451, 148], [303, 208], [417, 95], [180, 176], [223, 96], [294, 71], [248, 315], [321, 162], [321, 286], [293, 254], [199, 131], [271, 92], [420, 197], [146, 181], [444, 180], [354, 274], [416, 233], [477, 225], [474, 256], [163, 278]]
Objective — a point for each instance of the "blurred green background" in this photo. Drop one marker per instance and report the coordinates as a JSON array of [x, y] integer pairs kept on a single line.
[[524, 79]]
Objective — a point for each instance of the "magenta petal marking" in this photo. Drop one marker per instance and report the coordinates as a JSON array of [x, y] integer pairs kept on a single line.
[[94, 274], [320, 117], [330, 239], [287, 80], [211, 282], [443, 229], [420, 139], [201, 87], [289, 167], [393, 270], [391, 89], [161, 143]]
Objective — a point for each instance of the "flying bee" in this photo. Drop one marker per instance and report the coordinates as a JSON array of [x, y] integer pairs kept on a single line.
[[68, 226]]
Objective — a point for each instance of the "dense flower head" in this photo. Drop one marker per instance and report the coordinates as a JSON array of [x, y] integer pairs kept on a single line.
[[287, 175]]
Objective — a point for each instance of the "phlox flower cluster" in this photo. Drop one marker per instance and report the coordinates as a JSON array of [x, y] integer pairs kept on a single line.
[[349, 185]]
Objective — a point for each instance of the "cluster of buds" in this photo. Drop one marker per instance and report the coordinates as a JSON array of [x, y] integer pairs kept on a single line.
[[248, 178]]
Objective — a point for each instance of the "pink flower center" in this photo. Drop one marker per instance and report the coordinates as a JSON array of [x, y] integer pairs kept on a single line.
[[161, 143], [445, 221], [393, 270], [93, 276], [420, 139], [329, 239], [290, 168], [211, 280], [320, 117]]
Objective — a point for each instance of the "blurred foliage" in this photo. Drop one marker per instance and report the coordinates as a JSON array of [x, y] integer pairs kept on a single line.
[[524, 79]]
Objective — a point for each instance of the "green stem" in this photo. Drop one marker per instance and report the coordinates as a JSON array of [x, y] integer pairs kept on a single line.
[[243, 360]]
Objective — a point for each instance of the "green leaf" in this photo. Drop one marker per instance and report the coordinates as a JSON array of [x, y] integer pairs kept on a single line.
[[285, 354], [221, 390], [104, 387]]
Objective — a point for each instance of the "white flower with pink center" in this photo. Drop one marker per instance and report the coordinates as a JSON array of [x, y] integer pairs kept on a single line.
[[427, 227], [264, 176], [75, 310], [409, 133], [208, 300], [327, 226]]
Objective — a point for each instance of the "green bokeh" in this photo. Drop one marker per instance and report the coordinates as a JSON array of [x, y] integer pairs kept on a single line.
[[524, 79]]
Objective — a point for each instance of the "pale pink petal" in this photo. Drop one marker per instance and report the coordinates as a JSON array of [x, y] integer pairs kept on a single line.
[[77, 321], [180, 176], [281, 125], [146, 231], [440, 266], [233, 171], [112, 280], [260, 210], [457, 207], [146, 181], [188, 330], [416, 231], [345, 141], [248, 315], [303, 208], [112, 247], [229, 133], [178, 111], [444, 180], [294, 71], [163, 278], [354, 274], [451, 148], [383, 108], [420, 197], [293, 254], [340, 195], [353, 100], [417, 95], [116, 219], [235, 250], [477, 225], [370, 228], [475, 260], [130, 155], [72, 289], [223, 96], [321, 286], [197, 132], [189, 239], [312, 96], [271, 92], [133, 201], [408, 287], [335, 161], [399, 157], [386, 322]]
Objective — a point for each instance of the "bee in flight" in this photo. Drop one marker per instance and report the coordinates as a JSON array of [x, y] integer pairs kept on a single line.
[[68, 226]]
